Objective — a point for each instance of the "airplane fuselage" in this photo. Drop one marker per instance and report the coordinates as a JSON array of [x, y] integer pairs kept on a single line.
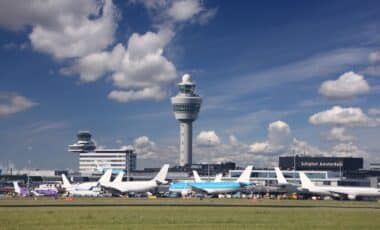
[[134, 186], [349, 191], [207, 187]]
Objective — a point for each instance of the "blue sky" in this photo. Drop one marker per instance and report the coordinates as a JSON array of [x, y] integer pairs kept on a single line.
[[276, 77]]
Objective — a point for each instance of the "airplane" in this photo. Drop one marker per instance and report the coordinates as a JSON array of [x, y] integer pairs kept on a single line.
[[45, 190], [341, 192], [186, 190], [86, 186], [42, 190], [120, 187], [20, 191], [212, 187], [89, 189]]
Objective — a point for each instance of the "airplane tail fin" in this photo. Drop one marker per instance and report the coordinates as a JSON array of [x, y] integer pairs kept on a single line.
[[119, 177], [218, 177], [66, 182], [160, 178], [246, 175], [305, 181], [280, 176], [196, 176], [16, 187], [106, 178]]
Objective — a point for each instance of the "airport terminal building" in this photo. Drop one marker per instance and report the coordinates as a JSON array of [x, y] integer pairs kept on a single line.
[[94, 161], [320, 163]]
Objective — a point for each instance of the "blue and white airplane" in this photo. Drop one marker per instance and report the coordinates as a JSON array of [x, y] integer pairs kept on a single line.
[[214, 187]]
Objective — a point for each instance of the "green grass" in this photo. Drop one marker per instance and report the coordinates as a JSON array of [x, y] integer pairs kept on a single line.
[[223, 214]]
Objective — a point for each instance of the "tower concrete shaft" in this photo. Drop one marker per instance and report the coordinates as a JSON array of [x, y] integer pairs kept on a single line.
[[186, 147], [186, 106]]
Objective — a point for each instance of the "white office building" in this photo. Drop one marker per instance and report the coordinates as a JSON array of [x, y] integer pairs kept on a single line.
[[94, 161]]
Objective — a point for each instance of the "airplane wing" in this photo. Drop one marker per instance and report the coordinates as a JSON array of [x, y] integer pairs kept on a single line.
[[197, 189], [338, 194], [114, 191]]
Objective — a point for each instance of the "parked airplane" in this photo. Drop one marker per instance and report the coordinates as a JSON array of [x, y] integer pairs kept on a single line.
[[42, 190], [120, 187], [212, 187], [20, 191], [91, 189], [341, 192], [86, 186], [45, 190]]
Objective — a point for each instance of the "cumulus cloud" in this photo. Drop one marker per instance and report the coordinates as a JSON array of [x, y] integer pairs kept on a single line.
[[342, 116], [261, 147], [140, 68], [145, 148], [304, 148], [346, 86], [65, 28], [348, 150], [207, 138], [83, 32], [11, 103], [279, 137], [338, 134]]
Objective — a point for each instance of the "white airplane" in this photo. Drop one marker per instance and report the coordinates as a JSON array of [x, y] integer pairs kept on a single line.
[[342, 192], [122, 187], [87, 188]]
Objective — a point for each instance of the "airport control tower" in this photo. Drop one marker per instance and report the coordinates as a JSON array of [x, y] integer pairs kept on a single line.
[[186, 105]]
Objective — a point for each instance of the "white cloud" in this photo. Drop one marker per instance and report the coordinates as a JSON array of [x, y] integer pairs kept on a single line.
[[346, 86], [183, 10], [279, 133], [154, 93], [338, 134], [11, 103], [145, 148], [169, 12], [63, 28], [84, 30], [304, 148], [348, 150], [342, 116], [141, 68], [374, 56], [207, 138], [279, 138], [261, 147]]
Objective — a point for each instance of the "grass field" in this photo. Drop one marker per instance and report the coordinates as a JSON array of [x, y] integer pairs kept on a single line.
[[119, 213]]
